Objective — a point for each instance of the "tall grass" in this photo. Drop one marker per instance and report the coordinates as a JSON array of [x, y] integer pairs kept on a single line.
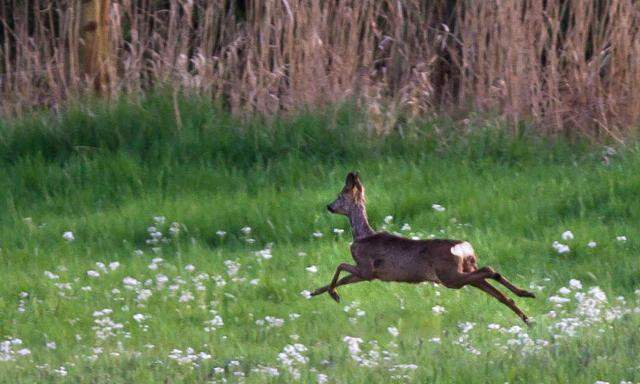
[[571, 67]]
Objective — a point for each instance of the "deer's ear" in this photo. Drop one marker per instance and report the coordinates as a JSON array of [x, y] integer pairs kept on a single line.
[[356, 182], [350, 183]]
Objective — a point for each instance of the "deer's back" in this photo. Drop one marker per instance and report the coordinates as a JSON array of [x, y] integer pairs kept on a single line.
[[393, 258]]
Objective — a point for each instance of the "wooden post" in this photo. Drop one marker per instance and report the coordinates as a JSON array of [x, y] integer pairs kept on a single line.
[[94, 30]]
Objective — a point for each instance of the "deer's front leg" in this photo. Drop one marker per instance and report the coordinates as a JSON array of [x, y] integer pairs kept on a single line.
[[344, 281], [342, 267]]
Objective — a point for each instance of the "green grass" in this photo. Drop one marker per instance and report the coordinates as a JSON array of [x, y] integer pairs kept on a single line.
[[105, 172]]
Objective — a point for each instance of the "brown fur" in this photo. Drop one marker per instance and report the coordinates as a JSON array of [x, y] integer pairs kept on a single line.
[[386, 257]]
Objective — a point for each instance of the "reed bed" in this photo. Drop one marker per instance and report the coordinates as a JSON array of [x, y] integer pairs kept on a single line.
[[562, 67]]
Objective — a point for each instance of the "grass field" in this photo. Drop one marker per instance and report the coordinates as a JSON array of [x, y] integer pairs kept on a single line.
[[215, 293]]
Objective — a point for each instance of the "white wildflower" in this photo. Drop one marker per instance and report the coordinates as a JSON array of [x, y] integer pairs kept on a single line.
[[393, 331], [575, 284], [560, 248], [130, 281], [68, 235], [232, 267], [312, 269], [268, 371], [264, 253], [51, 275], [438, 207], [466, 326], [174, 229], [104, 312], [567, 235], [188, 357], [558, 299], [273, 322], [353, 343], [161, 279], [438, 309], [514, 330], [402, 367], [564, 291], [102, 267], [92, 273], [597, 294], [186, 297], [62, 371], [213, 324], [292, 357]]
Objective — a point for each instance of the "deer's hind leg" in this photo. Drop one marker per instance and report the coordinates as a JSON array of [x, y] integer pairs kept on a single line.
[[518, 291], [489, 289], [469, 265], [454, 278]]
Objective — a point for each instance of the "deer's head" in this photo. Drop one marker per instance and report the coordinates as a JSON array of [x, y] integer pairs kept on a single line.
[[351, 197]]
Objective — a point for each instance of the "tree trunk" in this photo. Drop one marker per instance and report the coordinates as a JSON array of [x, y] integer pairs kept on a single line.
[[94, 27]]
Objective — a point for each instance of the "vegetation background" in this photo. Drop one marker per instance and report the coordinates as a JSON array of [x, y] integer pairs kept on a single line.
[[162, 209], [568, 66]]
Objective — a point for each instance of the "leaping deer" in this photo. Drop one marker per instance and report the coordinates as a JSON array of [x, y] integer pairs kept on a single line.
[[386, 257]]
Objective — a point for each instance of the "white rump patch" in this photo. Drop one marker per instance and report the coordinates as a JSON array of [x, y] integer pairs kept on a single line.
[[463, 249]]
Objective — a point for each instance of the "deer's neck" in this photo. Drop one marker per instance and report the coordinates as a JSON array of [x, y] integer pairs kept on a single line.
[[359, 224]]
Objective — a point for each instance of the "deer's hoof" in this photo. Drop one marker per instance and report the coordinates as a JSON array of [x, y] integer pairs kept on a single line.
[[334, 296], [528, 294]]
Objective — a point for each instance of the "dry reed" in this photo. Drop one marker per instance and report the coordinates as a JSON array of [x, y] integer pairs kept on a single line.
[[568, 66]]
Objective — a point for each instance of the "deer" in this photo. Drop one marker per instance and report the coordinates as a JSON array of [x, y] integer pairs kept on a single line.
[[390, 258]]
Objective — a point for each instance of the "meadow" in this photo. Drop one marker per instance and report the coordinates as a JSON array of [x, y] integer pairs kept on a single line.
[[136, 250]]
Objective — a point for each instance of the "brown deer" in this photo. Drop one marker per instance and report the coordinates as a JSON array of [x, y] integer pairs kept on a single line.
[[386, 257]]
